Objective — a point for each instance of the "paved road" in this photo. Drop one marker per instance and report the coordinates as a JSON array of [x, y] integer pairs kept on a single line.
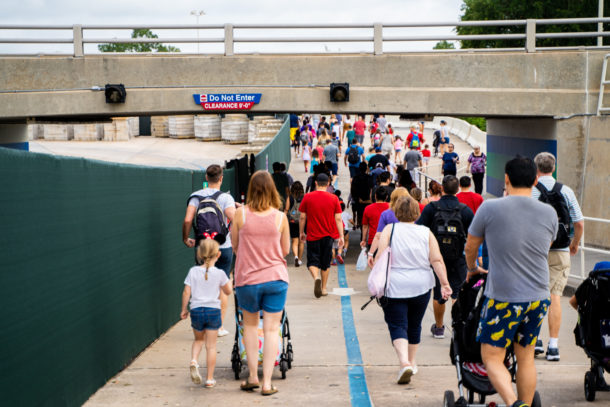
[[161, 152], [320, 373]]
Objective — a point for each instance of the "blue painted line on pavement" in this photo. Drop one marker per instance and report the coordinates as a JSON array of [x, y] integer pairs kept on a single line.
[[359, 392]]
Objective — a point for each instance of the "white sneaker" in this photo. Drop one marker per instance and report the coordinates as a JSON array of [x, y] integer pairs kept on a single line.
[[195, 376], [404, 375], [222, 332]]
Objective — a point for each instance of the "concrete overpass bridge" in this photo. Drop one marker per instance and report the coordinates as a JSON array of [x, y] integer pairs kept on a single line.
[[534, 98]]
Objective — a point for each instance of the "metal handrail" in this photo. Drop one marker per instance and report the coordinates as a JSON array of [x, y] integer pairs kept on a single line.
[[584, 249], [378, 39]]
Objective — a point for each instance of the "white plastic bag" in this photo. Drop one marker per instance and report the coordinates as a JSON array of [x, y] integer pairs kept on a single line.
[[362, 261]]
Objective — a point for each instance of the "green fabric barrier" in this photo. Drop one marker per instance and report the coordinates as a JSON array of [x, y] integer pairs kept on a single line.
[[91, 270], [277, 150]]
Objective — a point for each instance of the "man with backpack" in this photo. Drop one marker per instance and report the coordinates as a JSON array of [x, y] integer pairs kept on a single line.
[[209, 211], [448, 220], [562, 199], [518, 231], [354, 156], [415, 139]]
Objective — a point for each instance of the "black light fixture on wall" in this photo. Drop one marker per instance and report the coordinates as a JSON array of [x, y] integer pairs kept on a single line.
[[115, 93], [339, 92]]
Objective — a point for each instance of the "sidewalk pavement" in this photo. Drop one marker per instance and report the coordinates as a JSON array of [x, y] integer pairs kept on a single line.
[[159, 376]]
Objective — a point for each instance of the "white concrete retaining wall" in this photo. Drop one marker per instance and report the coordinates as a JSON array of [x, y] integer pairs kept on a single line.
[[462, 129]]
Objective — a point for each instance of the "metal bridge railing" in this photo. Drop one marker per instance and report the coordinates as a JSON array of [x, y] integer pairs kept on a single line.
[[584, 249], [374, 34]]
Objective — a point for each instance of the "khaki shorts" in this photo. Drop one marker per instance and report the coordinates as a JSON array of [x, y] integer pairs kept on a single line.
[[559, 270]]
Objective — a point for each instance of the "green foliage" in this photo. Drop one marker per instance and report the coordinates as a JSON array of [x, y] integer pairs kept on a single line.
[[444, 45], [477, 10], [480, 122], [141, 47]]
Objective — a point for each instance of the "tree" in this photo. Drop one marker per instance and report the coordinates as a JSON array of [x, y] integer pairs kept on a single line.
[[473, 10], [139, 47], [444, 45]]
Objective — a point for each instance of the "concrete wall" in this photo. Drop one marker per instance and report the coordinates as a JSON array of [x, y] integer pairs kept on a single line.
[[581, 145], [482, 83]]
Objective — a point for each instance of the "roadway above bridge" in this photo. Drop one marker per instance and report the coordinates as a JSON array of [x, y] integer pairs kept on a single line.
[[483, 83]]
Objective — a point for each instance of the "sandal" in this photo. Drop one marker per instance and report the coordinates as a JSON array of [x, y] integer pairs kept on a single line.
[[210, 383], [269, 392], [247, 386], [195, 376]]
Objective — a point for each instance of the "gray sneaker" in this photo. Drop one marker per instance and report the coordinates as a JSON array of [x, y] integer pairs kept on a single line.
[[552, 354], [539, 348], [438, 333]]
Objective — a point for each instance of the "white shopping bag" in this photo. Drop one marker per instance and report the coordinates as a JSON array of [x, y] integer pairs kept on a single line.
[[362, 261]]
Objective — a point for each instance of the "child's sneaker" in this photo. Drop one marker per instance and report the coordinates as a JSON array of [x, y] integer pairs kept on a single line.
[[340, 259], [210, 383], [333, 263], [438, 333], [195, 376]]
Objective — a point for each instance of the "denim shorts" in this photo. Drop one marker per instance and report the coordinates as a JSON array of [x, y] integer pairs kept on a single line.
[[269, 297], [204, 319]]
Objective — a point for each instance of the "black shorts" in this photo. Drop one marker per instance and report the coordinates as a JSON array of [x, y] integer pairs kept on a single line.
[[456, 274], [320, 253], [294, 229]]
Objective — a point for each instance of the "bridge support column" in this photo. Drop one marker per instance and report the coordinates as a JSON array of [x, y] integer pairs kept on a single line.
[[14, 136]]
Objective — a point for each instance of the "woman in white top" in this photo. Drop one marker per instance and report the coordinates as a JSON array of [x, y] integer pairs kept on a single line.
[[414, 248]]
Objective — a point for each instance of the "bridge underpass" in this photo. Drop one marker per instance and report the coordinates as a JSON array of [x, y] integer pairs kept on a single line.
[[546, 97]]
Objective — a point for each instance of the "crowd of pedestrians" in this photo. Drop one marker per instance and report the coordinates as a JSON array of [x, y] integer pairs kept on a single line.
[[436, 239]]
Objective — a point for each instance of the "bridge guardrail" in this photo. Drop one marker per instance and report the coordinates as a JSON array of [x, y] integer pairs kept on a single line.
[[584, 249], [376, 37]]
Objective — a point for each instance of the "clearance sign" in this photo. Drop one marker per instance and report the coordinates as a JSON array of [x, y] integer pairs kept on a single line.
[[227, 101]]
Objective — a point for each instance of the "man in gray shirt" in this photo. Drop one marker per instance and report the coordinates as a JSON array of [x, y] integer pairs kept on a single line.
[[331, 153], [413, 159], [519, 232]]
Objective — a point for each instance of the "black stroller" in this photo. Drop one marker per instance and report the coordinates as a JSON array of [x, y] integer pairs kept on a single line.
[[238, 355], [592, 331], [465, 351]]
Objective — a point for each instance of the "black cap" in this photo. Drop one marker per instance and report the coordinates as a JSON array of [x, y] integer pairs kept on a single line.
[[322, 178]]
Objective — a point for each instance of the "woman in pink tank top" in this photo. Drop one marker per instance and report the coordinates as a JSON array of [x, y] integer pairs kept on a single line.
[[261, 239]]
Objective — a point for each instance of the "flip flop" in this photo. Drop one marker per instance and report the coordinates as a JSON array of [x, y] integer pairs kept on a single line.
[[317, 288], [247, 386], [269, 392]]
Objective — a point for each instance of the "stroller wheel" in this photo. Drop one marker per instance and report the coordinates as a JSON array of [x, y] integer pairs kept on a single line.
[[449, 399], [590, 386], [283, 367], [537, 402]]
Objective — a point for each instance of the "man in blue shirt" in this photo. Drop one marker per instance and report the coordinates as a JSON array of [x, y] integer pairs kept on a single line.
[[353, 166], [450, 161]]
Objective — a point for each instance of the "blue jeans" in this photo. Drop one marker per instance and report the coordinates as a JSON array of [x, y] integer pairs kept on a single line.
[[269, 296], [404, 316], [225, 260]]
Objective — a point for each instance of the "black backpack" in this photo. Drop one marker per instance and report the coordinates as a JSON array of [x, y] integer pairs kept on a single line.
[[209, 219], [555, 198], [352, 155], [449, 231]]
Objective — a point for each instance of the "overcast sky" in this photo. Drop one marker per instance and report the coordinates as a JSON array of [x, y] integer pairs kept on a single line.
[[53, 12]]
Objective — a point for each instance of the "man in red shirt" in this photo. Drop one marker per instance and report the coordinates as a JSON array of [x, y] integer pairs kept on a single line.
[[322, 212], [359, 128], [372, 213], [468, 198]]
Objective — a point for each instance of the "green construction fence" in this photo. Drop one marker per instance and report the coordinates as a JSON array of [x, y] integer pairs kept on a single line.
[[92, 266]]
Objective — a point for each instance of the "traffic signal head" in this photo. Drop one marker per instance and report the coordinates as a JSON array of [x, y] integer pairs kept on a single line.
[[115, 93], [339, 92]]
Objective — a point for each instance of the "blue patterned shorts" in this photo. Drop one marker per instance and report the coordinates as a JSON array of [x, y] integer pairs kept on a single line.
[[503, 323]]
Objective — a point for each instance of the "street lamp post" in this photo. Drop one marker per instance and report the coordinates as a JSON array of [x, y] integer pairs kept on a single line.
[[197, 14]]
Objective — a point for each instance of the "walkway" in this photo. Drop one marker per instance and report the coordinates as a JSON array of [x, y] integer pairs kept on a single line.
[[320, 373]]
